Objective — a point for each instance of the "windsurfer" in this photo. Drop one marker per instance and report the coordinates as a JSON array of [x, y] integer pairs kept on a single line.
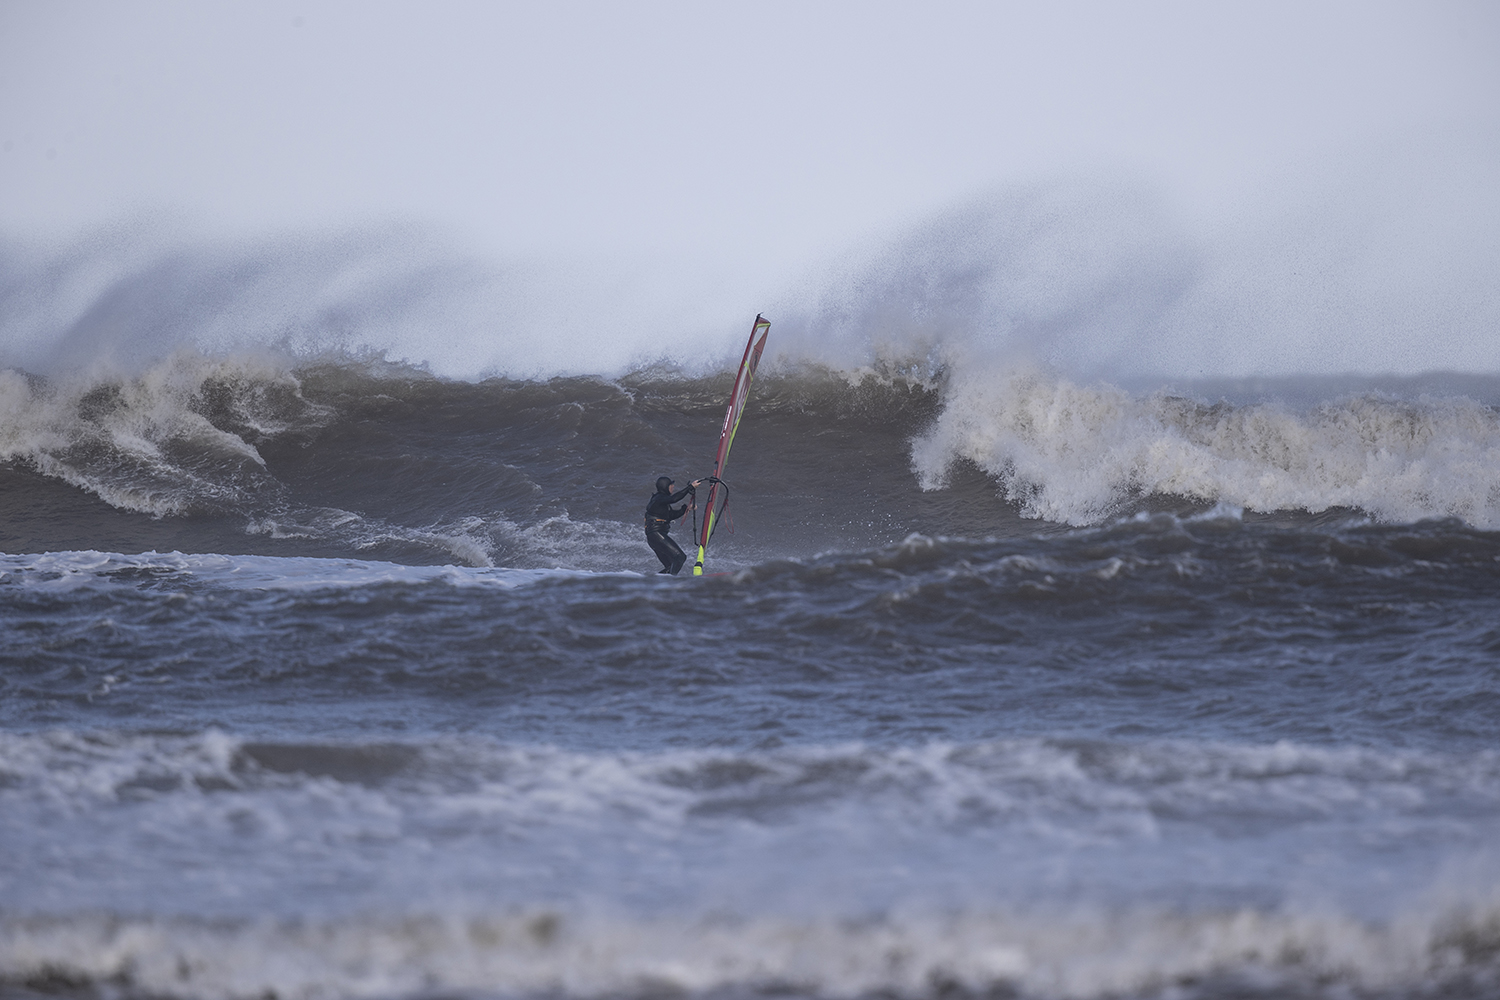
[[659, 517]]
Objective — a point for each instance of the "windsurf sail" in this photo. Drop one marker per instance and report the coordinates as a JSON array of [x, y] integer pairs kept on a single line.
[[737, 400]]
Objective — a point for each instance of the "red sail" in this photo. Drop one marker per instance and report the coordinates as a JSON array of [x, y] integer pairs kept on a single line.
[[737, 400]]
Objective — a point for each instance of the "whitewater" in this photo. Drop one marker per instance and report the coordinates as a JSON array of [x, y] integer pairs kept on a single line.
[[1092, 621]]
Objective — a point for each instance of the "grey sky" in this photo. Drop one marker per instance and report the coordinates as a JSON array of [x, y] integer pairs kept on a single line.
[[589, 126]]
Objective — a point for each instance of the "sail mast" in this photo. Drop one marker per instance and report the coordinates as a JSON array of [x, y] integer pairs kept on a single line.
[[737, 399]]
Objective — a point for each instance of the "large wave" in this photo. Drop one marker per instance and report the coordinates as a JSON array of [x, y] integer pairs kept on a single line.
[[154, 371], [524, 473]]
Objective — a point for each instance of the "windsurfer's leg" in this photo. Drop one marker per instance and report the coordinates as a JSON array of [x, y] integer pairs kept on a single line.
[[666, 550], [678, 556]]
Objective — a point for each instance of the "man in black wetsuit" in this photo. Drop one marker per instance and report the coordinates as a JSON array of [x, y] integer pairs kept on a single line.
[[659, 518]]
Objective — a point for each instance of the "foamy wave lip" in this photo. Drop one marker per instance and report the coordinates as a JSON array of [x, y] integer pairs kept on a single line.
[[165, 441], [1078, 454], [71, 570], [543, 952]]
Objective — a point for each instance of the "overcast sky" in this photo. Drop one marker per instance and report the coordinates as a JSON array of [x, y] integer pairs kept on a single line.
[[544, 127]]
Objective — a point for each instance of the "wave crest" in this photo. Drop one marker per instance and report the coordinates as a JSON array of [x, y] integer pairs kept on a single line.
[[1079, 454], [179, 438], [544, 953]]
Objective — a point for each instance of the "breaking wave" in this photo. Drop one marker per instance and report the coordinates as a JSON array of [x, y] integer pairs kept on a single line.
[[353, 456], [179, 438], [1080, 454], [541, 953], [487, 819]]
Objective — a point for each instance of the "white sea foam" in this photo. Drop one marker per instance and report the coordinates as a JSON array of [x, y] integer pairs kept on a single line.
[[63, 571], [1082, 954], [560, 541], [934, 783]]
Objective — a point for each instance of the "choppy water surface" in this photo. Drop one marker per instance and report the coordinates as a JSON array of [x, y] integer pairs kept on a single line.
[[338, 679]]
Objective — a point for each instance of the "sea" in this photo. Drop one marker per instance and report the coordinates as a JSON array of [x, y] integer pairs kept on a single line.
[[325, 674]]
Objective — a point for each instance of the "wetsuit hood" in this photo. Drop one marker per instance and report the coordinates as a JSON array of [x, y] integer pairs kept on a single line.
[[664, 484]]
